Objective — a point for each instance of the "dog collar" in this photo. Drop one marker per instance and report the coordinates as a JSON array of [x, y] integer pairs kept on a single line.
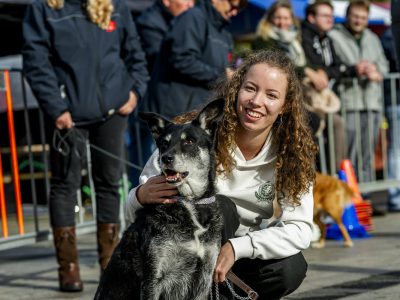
[[200, 201], [206, 200]]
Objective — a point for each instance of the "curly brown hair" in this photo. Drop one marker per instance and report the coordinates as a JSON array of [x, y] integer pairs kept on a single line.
[[296, 150]]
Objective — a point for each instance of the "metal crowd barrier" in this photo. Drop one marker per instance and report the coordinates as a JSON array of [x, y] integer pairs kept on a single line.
[[33, 226], [30, 218], [389, 116]]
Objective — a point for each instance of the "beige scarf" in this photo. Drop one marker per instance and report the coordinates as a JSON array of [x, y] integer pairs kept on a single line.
[[290, 41]]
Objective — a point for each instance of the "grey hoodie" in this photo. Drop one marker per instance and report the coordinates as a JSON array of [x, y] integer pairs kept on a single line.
[[365, 95]]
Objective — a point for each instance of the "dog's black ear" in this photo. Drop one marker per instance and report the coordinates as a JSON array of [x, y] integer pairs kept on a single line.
[[155, 122], [210, 115]]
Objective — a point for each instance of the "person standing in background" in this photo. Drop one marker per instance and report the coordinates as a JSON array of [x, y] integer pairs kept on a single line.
[[318, 46], [85, 65], [395, 12], [392, 114], [152, 25], [194, 54], [358, 46]]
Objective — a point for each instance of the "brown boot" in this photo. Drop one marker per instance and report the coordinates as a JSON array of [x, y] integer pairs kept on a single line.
[[67, 258], [107, 240]]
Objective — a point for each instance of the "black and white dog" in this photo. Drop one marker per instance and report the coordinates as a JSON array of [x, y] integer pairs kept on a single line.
[[170, 251]]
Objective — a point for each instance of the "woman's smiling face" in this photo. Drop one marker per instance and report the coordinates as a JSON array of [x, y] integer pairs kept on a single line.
[[261, 99], [282, 18]]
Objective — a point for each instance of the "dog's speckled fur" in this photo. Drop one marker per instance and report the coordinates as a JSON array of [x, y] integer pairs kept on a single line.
[[170, 251]]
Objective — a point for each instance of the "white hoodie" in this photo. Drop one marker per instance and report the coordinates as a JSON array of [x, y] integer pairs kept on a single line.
[[251, 187]]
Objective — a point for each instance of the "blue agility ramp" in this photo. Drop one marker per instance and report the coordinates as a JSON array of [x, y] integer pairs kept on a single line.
[[350, 221]]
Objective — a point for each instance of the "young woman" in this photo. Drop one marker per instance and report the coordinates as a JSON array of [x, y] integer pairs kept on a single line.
[[279, 29], [265, 157]]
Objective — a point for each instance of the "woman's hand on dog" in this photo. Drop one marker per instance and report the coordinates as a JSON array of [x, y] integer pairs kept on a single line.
[[225, 261], [156, 190]]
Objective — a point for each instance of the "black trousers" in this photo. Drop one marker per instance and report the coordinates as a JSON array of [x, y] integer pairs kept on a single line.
[[68, 155], [271, 279]]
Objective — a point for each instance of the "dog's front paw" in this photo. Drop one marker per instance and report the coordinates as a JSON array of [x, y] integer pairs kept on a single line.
[[348, 244]]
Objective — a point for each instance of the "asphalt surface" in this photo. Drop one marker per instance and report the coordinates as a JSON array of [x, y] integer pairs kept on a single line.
[[369, 270]]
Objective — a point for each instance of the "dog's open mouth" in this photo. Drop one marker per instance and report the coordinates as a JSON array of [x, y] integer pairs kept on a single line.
[[174, 177]]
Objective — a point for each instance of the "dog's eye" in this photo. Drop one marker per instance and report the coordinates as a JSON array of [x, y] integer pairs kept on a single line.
[[163, 144], [188, 141]]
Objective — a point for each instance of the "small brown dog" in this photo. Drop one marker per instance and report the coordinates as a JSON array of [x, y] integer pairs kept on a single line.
[[331, 195]]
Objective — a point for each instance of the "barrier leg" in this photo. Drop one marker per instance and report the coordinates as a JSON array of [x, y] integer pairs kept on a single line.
[[13, 148], [3, 210]]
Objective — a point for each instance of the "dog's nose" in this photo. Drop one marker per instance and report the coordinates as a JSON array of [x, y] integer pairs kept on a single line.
[[167, 159]]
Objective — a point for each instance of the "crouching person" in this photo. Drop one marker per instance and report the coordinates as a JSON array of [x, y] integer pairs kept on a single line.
[[265, 165]]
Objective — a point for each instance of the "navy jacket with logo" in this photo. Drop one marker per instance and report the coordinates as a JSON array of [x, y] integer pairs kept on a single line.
[[74, 65], [194, 53]]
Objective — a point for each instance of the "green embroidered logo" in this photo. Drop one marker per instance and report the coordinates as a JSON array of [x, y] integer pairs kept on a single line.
[[266, 192]]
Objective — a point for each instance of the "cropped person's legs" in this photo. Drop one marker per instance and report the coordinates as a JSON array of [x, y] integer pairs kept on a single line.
[[271, 279], [339, 139], [370, 122], [230, 216], [393, 117], [65, 162], [107, 172], [66, 155]]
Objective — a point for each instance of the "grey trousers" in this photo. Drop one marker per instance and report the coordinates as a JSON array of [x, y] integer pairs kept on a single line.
[[365, 125]]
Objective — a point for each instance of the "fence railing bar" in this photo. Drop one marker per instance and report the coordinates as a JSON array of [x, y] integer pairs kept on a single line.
[[43, 235], [30, 154], [331, 145], [42, 133]]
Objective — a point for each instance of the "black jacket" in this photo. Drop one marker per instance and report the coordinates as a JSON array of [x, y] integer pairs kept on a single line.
[[395, 10], [321, 54], [74, 65], [152, 25], [193, 55]]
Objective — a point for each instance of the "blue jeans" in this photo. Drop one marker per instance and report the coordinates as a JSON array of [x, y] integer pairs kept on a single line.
[[393, 157]]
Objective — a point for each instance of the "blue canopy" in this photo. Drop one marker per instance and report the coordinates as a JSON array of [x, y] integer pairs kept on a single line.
[[299, 6], [377, 15], [247, 20]]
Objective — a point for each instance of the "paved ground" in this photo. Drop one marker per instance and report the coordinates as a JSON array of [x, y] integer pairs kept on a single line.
[[369, 270]]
